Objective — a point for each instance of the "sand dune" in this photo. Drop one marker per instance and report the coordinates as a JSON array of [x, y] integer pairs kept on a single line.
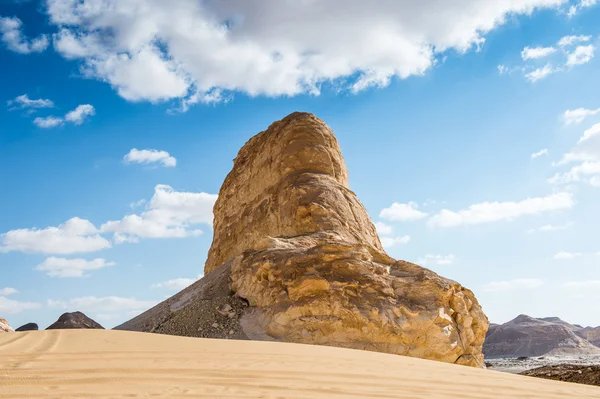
[[80, 364]]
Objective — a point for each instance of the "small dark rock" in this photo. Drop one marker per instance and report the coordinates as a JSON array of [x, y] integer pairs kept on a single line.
[[28, 327], [74, 320]]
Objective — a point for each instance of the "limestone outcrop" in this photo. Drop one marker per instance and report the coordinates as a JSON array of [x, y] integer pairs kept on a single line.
[[74, 320], [298, 246], [5, 326]]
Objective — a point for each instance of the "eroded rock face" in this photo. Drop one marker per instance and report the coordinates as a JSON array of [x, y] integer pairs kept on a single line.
[[5, 326], [74, 320], [306, 256]]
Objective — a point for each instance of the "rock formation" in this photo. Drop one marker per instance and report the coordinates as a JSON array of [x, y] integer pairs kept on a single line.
[[5, 326], [592, 334], [527, 336], [28, 327], [296, 245], [74, 320]]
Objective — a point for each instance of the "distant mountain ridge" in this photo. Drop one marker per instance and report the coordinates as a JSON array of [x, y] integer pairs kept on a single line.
[[526, 336]]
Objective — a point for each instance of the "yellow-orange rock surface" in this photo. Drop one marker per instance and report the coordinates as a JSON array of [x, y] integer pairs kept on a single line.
[[305, 255]]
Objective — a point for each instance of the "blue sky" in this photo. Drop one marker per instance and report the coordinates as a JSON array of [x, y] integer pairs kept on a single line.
[[470, 131]]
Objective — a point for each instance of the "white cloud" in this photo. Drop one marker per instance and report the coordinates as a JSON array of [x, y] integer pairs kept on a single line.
[[581, 55], [517, 284], [586, 149], [576, 116], [78, 115], [23, 101], [486, 212], [10, 29], [74, 236], [48, 122], [389, 242], [264, 48], [431, 259], [549, 227], [531, 53], [176, 284], [567, 255], [540, 73], [577, 173], [9, 306], [383, 228], [539, 153], [402, 212], [100, 304], [8, 291], [150, 156], [169, 214], [582, 284], [573, 39], [61, 267], [575, 8]]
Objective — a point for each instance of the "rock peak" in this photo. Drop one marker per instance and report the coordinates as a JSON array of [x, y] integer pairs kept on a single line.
[[281, 186]]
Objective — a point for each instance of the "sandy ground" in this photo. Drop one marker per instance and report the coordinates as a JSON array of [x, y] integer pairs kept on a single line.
[[81, 364]]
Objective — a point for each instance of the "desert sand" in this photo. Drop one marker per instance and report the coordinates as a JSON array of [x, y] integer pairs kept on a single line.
[[118, 364]]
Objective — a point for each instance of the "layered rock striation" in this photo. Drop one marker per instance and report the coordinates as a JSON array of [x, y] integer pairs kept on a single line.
[[298, 247]]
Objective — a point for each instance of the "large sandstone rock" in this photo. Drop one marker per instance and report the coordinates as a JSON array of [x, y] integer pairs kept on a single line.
[[74, 320], [5, 326], [526, 336], [298, 246]]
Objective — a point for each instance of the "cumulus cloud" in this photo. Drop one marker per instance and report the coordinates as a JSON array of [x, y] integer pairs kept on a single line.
[[383, 228], [563, 255], [48, 122], [581, 55], [587, 147], [432, 259], [150, 156], [540, 73], [402, 212], [74, 236], [8, 291], [13, 38], [389, 242], [486, 212], [176, 284], [169, 214], [575, 8], [532, 53], [550, 227], [61, 267], [100, 304], [539, 153], [9, 306], [189, 49], [576, 116], [573, 39], [517, 284], [78, 115], [23, 101]]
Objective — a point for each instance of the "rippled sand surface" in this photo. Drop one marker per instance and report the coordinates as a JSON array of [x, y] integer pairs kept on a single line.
[[79, 364]]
